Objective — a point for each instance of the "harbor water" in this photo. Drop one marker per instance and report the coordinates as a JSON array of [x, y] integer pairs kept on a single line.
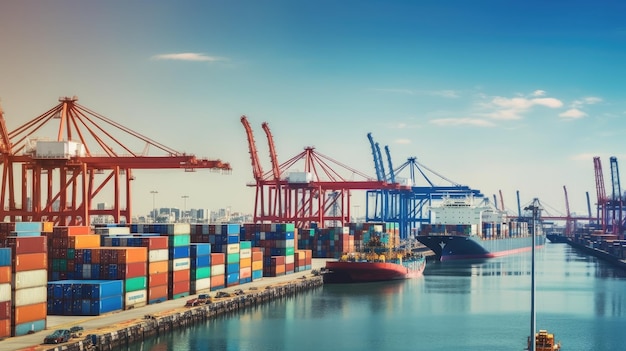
[[454, 306]]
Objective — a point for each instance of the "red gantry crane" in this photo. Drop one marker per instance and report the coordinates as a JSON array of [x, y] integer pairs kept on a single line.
[[60, 178], [316, 195]]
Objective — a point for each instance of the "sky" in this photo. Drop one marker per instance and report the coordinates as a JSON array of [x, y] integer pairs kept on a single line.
[[501, 96]]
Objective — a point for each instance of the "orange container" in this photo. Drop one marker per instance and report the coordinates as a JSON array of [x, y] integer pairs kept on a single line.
[[218, 258], [158, 279], [30, 262], [5, 274], [158, 267], [257, 255], [280, 268], [47, 227], [257, 265], [130, 254], [157, 292], [218, 280], [29, 313], [5, 328], [179, 276], [245, 262], [84, 241]]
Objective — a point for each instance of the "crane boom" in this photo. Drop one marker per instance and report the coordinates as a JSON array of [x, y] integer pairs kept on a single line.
[[273, 157], [392, 173], [380, 175], [257, 170]]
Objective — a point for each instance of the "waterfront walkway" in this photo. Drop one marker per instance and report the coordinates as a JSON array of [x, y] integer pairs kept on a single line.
[[93, 323]]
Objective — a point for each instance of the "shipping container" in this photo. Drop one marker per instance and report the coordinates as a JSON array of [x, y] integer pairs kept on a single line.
[[158, 255], [29, 279], [218, 282], [218, 258], [180, 264], [28, 328], [5, 310], [5, 257], [157, 293], [178, 276], [29, 296], [200, 285], [5, 274], [158, 267], [29, 313], [218, 269], [27, 245], [179, 288], [158, 279], [135, 284], [136, 298]]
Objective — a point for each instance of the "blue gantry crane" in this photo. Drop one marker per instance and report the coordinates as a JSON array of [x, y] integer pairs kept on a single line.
[[407, 206]]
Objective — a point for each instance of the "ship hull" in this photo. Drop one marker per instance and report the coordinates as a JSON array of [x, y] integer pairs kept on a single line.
[[364, 272], [458, 247]]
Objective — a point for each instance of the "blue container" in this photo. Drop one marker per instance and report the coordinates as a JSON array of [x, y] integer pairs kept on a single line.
[[232, 268], [257, 274], [233, 238], [28, 226], [232, 228], [5, 256], [200, 249], [102, 289], [109, 304], [26, 328], [25, 233], [179, 252], [56, 307], [201, 261], [232, 278]]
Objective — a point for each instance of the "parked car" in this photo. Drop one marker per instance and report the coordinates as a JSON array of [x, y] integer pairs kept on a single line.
[[200, 300], [59, 336], [76, 331]]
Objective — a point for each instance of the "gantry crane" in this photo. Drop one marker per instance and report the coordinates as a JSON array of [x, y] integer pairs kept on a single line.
[[60, 177], [316, 196], [601, 194], [408, 208]]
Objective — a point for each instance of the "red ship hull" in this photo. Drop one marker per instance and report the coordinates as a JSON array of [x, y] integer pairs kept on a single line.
[[362, 272]]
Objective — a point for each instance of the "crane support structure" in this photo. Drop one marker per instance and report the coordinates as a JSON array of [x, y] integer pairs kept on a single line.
[[601, 193], [318, 194], [62, 178]]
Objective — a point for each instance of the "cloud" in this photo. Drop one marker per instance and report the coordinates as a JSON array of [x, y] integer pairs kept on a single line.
[[573, 113], [462, 121], [539, 93], [189, 56], [402, 141], [514, 108], [589, 100]]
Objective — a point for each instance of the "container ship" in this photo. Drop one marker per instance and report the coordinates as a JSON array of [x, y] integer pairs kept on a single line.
[[380, 260], [465, 229]]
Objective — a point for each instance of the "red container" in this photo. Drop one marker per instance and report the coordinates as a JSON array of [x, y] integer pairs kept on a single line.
[[218, 258], [180, 287], [27, 244], [289, 267], [134, 269], [156, 242], [5, 310], [72, 230]]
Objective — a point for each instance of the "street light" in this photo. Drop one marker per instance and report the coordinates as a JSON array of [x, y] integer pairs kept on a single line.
[[185, 197], [154, 213]]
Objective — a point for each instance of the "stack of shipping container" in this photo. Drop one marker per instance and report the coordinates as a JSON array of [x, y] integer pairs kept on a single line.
[[200, 275], [5, 292], [85, 297]]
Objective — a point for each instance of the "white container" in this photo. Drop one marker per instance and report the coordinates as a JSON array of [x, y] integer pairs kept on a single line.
[[232, 248], [300, 177], [30, 296], [135, 298], [218, 269], [245, 253], [86, 271], [181, 264], [29, 279], [178, 228], [5, 292], [203, 284], [59, 149], [112, 231], [289, 259], [158, 255]]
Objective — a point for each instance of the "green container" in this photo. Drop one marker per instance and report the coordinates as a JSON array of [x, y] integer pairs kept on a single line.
[[180, 296], [245, 245], [290, 227], [62, 265], [232, 258], [55, 265], [290, 251], [179, 240], [71, 253], [201, 273], [134, 284]]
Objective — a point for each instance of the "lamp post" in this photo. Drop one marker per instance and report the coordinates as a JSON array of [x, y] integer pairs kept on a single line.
[[154, 213], [185, 197]]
